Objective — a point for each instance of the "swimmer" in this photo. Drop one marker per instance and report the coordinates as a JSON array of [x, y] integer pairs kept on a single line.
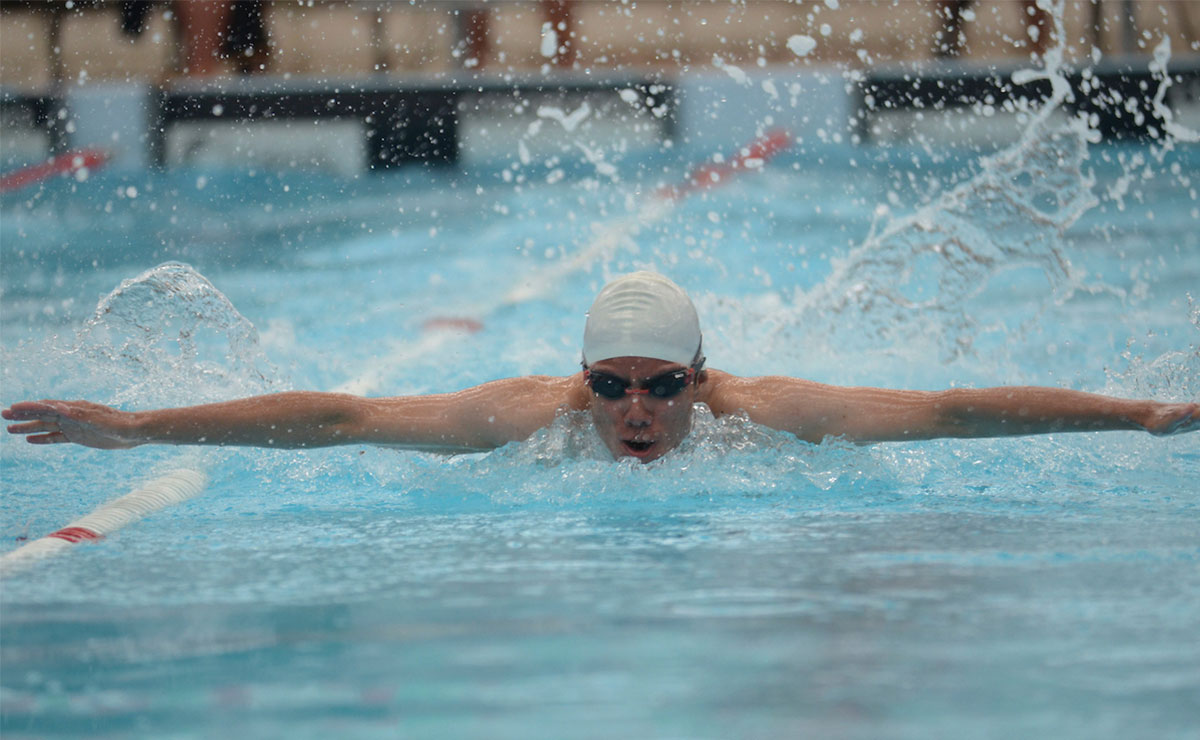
[[643, 373]]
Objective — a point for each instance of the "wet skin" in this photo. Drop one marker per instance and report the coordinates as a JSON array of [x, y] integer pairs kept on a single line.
[[643, 426]]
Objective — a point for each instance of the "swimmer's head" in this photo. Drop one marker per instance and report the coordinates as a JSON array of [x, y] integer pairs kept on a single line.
[[642, 360], [643, 315]]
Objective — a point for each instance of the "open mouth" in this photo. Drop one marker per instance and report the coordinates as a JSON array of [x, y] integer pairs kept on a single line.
[[637, 448]]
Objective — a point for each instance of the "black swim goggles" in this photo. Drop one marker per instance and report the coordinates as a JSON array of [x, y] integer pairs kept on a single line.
[[660, 386]]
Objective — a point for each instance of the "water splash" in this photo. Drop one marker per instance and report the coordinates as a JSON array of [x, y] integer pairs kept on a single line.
[[1170, 376], [731, 463], [913, 280], [168, 336], [1174, 130], [724, 461]]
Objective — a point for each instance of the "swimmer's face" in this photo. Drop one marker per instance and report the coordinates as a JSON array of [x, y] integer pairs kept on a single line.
[[642, 425]]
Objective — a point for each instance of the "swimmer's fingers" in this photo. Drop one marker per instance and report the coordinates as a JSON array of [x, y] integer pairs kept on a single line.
[[47, 439], [33, 427], [39, 432], [26, 410], [53, 422], [37, 417]]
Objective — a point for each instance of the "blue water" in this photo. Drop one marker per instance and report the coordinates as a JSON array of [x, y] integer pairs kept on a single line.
[[748, 585]]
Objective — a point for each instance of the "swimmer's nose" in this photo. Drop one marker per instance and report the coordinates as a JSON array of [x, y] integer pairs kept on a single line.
[[637, 415]]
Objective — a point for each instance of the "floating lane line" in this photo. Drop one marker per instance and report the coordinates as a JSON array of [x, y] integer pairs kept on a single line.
[[612, 236], [167, 490], [75, 162]]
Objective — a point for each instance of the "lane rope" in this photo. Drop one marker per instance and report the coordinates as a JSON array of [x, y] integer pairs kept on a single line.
[[77, 162], [167, 490]]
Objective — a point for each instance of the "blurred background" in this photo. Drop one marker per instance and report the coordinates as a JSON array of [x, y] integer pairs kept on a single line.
[[77, 41], [142, 83]]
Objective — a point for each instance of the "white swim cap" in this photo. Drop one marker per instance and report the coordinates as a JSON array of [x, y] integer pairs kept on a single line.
[[642, 315]]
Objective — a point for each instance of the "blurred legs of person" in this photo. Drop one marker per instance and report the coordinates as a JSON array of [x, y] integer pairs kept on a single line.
[[201, 25], [246, 37]]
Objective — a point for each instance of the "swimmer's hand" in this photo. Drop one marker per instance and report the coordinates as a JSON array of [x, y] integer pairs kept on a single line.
[[1172, 418], [80, 422]]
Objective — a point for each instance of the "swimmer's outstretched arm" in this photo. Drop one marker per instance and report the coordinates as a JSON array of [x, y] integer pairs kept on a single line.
[[814, 411], [479, 418]]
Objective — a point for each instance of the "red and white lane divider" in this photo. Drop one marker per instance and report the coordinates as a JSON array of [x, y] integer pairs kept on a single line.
[[67, 163], [377, 374], [715, 174], [166, 490]]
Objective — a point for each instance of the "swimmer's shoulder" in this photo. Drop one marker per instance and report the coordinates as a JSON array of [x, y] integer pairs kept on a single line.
[[717, 390], [530, 392], [575, 393], [726, 393], [567, 392]]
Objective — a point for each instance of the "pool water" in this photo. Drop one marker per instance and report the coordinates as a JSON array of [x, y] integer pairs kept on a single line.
[[747, 585]]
